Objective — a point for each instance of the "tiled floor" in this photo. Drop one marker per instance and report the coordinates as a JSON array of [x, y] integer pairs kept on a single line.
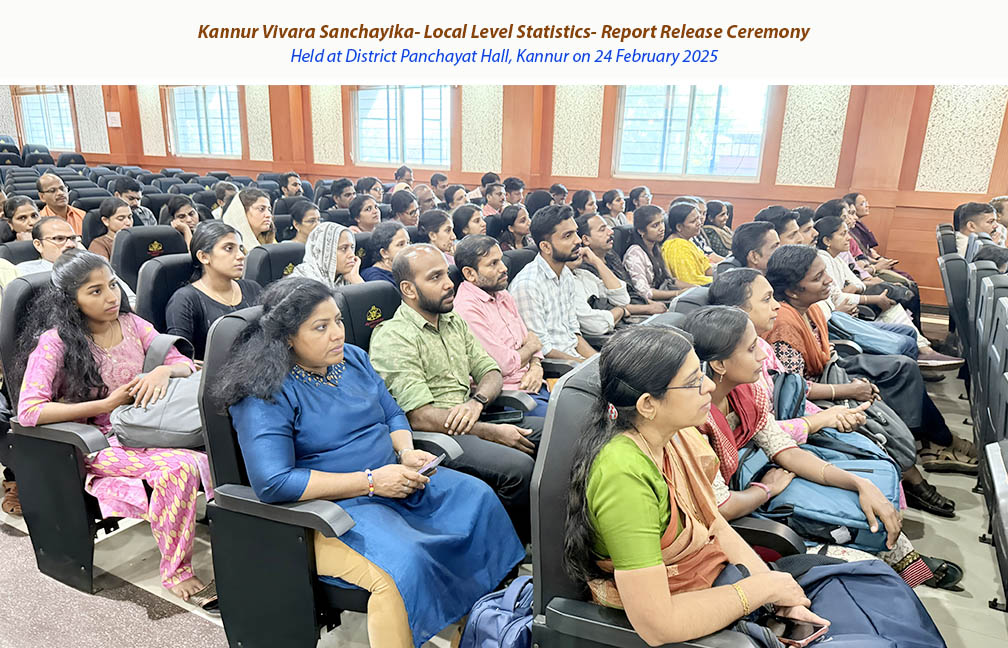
[[131, 555]]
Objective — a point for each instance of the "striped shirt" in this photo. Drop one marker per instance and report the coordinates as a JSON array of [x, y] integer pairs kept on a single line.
[[546, 304]]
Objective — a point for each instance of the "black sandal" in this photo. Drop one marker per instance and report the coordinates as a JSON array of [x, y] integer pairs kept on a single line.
[[925, 497], [947, 574]]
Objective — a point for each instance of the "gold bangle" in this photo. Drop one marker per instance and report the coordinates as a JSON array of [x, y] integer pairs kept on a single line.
[[807, 422], [742, 599], [832, 392], [822, 474]]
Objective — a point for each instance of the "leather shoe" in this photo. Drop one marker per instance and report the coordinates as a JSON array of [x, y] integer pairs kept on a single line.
[[925, 497]]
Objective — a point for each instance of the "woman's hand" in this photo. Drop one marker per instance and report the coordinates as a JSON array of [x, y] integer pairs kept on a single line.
[[416, 459], [121, 395], [777, 479], [149, 388], [802, 613], [875, 507], [24, 236], [779, 588], [861, 390], [845, 419], [397, 481], [353, 274]]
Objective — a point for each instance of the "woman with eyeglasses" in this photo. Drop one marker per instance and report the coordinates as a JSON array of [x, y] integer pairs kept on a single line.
[[251, 214], [305, 217], [405, 208], [116, 216]]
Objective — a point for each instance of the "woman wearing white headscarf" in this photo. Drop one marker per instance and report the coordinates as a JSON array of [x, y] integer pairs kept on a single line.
[[330, 256], [250, 213]]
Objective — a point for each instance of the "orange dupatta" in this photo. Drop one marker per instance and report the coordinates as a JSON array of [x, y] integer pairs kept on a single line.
[[792, 329]]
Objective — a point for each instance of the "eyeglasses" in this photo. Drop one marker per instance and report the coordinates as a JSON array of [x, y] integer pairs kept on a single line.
[[57, 189], [61, 240], [698, 385]]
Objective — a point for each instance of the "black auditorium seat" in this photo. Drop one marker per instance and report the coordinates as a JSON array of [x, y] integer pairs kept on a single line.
[[158, 280], [267, 263], [137, 245]]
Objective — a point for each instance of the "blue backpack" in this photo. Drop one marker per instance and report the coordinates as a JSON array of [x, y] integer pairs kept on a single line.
[[816, 512], [501, 619]]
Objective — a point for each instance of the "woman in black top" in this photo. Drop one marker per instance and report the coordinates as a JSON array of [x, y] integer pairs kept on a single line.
[[217, 288]]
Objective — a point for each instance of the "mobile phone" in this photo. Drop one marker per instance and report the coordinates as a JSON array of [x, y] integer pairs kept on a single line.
[[431, 465], [796, 633]]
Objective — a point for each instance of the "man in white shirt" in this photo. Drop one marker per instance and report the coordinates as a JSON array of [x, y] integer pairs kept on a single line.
[[972, 218], [600, 299]]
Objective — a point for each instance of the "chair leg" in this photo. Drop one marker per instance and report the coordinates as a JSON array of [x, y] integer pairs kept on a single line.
[[56, 509], [265, 575]]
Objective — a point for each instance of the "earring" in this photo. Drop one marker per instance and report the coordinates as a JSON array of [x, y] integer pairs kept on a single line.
[[720, 377]]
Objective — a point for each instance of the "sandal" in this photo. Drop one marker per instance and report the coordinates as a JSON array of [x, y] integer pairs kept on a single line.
[[925, 497], [10, 504], [947, 574], [952, 458], [206, 598]]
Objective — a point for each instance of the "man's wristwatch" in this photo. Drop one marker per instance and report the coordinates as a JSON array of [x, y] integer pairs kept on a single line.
[[480, 398]]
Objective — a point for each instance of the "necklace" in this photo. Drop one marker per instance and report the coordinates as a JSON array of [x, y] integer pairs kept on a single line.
[[228, 300]]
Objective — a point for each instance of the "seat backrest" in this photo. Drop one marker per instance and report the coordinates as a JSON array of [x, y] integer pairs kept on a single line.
[[37, 158], [155, 201], [284, 231], [220, 175], [997, 351], [226, 463], [89, 203], [283, 205], [972, 245], [17, 297], [992, 289], [207, 182], [946, 240], [18, 252], [205, 197], [494, 225], [89, 192], [66, 159], [10, 147], [517, 259], [953, 274], [108, 181], [158, 280], [272, 177], [267, 263], [149, 178], [241, 181], [135, 246], [10, 159], [414, 234], [365, 306], [339, 215], [164, 183], [170, 171], [186, 188], [385, 210], [621, 239], [98, 172], [271, 187], [360, 241], [691, 300], [186, 176], [729, 263], [92, 227]]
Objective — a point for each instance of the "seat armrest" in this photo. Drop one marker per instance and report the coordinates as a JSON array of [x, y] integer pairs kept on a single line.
[[846, 348], [553, 368], [328, 518], [435, 442], [585, 620], [866, 313], [515, 399], [770, 534], [86, 438]]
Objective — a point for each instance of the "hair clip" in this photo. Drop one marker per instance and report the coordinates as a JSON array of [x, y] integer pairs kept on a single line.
[[611, 412]]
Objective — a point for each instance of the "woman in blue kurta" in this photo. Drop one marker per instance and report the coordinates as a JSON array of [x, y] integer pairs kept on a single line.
[[315, 421]]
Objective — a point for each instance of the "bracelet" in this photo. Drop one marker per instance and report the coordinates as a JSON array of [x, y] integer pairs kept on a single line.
[[807, 422], [742, 598], [370, 482], [822, 474], [399, 453], [764, 487], [832, 392]]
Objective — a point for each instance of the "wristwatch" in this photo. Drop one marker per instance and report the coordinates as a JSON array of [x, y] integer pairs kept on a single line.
[[480, 398]]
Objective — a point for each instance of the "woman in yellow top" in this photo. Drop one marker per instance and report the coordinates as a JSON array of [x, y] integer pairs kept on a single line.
[[686, 261]]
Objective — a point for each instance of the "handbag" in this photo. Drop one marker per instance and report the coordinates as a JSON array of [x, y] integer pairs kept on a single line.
[[171, 422], [501, 619]]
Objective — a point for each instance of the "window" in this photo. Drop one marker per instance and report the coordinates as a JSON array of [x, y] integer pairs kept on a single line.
[[403, 125], [684, 130], [204, 121], [46, 117]]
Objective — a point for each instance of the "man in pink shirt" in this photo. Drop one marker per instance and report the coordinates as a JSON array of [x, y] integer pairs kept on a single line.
[[494, 199], [493, 318]]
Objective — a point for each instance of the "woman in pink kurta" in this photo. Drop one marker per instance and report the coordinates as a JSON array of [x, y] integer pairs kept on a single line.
[[84, 358]]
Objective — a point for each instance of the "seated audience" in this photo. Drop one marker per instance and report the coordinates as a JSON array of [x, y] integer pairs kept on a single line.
[[468, 219], [56, 197], [439, 182], [455, 196], [19, 217], [481, 191], [252, 216], [399, 186], [559, 193], [598, 236], [612, 208], [305, 217], [514, 190], [643, 528], [343, 193], [492, 315], [290, 185], [544, 289], [996, 253], [80, 356], [717, 227], [129, 189], [437, 228], [516, 228], [972, 218], [700, 238], [371, 186], [116, 215], [638, 197], [583, 202], [315, 421], [752, 245], [217, 287], [430, 359], [1000, 205], [225, 192], [387, 240], [600, 299], [330, 256], [684, 259], [801, 341], [867, 240], [536, 200], [643, 259], [364, 213], [785, 223], [180, 212], [404, 174], [425, 197], [494, 195], [404, 207], [805, 219]]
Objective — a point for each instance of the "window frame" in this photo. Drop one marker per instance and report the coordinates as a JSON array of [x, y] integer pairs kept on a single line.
[[168, 123], [355, 155], [18, 91], [694, 177]]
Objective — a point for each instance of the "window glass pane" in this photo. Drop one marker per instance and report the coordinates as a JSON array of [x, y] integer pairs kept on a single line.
[[682, 130], [205, 121], [404, 124], [46, 120]]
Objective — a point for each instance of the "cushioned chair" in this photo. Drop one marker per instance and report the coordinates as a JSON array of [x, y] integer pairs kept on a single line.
[[164, 183], [341, 216], [993, 426], [205, 197], [254, 542], [88, 192], [10, 147], [158, 280], [62, 518], [92, 227], [207, 182], [953, 273], [34, 148], [81, 183], [992, 289], [168, 172], [10, 159], [621, 239], [149, 178], [946, 239], [89, 203], [132, 171], [37, 158], [185, 176], [220, 175], [284, 231], [309, 193], [563, 614], [414, 234], [18, 251], [66, 159], [267, 263], [284, 205], [17, 171], [494, 225], [270, 187], [974, 243], [149, 189], [517, 259], [690, 300], [45, 168], [326, 203], [241, 181], [137, 245], [98, 172], [729, 263], [360, 247], [187, 189], [385, 210], [8, 139], [107, 179], [272, 177], [155, 201], [976, 272], [20, 186]]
